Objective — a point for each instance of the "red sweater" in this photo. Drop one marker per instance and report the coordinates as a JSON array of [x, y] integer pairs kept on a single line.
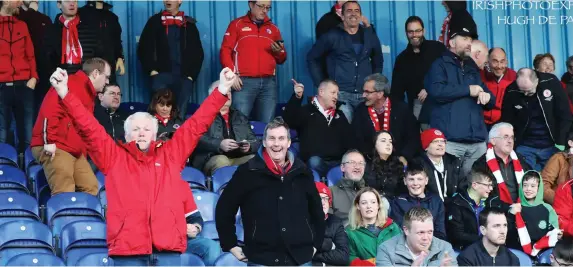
[[16, 51], [498, 90], [246, 47], [54, 125]]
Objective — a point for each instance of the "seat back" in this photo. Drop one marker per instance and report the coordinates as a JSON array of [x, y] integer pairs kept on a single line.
[[35, 259], [222, 176], [195, 178], [206, 202], [21, 237], [95, 259], [132, 107], [101, 195], [227, 259], [16, 206], [189, 259], [524, 259], [258, 128], [334, 175], [64, 208], [29, 159], [8, 155], [82, 234], [544, 256], [100, 180], [13, 179]]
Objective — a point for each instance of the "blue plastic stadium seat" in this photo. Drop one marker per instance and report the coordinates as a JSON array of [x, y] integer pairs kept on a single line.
[[64, 208], [15, 206], [35, 259], [29, 159], [189, 259], [543, 257], [280, 107], [221, 177], [8, 155], [95, 259], [195, 178], [524, 259], [316, 176], [227, 259], [132, 107], [206, 202], [100, 180], [21, 237], [81, 238], [334, 175], [258, 128], [13, 179]]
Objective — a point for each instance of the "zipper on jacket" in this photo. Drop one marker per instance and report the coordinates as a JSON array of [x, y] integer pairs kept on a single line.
[[112, 126], [254, 231], [493, 260], [310, 229], [543, 111]]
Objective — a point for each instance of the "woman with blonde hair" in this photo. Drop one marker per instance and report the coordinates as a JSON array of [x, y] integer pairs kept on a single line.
[[368, 226]]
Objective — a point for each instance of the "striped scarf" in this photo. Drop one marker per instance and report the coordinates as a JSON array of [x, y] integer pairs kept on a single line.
[[550, 238]]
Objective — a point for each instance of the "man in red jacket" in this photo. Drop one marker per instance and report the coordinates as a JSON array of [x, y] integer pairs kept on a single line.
[[496, 77], [55, 141], [252, 47], [150, 206], [18, 75]]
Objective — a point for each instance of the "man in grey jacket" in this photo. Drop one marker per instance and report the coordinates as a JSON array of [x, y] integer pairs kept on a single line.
[[345, 190], [417, 246]]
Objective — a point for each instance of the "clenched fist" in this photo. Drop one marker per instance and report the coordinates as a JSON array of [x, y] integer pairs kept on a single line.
[[59, 81], [226, 80]]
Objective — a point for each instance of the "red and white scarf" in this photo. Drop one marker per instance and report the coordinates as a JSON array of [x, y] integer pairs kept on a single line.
[[444, 38], [168, 19], [550, 238], [338, 9], [328, 113], [162, 120], [386, 116], [72, 52]]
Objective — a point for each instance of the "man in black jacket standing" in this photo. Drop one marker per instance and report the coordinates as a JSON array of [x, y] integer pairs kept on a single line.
[[108, 113], [171, 53], [537, 107], [280, 206], [490, 249], [412, 64]]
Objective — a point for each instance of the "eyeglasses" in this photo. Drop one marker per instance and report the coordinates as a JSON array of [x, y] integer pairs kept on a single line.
[[369, 92], [506, 137], [415, 31], [114, 94], [325, 199], [487, 185], [439, 141], [263, 7], [354, 163]]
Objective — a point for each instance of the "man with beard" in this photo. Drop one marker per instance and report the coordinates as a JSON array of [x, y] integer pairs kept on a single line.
[[490, 250], [458, 96], [497, 77], [352, 52], [412, 64]]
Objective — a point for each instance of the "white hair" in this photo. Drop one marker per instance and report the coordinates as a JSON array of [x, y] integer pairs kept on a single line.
[[140, 115], [494, 132], [214, 85]]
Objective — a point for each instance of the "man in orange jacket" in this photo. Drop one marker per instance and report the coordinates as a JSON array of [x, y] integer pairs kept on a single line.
[[150, 208]]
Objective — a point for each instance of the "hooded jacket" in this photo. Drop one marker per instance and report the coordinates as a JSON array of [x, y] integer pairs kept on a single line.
[[462, 219], [394, 252], [16, 51], [556, 172], [453, 179], [327, 22], [343, 194], [364, 244], [401, 205]]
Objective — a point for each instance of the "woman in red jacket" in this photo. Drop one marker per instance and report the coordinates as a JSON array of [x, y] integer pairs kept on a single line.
[[149, 205]]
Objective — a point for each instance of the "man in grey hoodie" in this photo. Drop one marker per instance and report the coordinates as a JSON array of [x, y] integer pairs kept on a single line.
[[417, 246]]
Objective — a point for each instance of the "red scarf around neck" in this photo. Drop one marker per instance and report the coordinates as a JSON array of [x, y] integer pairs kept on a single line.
[[276, 169], [71, 48], [168, 19], [162, 120], [338, 9], [328, 113], [385, 117]]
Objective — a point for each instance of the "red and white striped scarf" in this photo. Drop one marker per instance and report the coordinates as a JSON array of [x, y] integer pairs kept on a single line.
[[386, 116], [328, 113], [444, 38], [550, 238], [72, 52], [168, 19]]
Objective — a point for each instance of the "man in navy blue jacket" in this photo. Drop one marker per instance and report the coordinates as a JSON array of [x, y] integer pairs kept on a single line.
[[457, 97], [352, 52]]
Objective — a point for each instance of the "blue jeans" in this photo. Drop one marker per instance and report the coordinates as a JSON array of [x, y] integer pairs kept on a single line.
[[17, 99], [181, 88], [209, 250], [257, 93], [536, 157], [322, 166], [352, 100], [155, 259], [468, 153]]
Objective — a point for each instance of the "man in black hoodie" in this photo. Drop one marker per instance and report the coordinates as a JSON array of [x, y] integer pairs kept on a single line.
[[171, 53], [490, 250]]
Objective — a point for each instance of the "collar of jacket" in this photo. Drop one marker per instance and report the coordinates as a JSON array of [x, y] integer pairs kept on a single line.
[[247, 18], [341, 26], [258, 164], [349, 184], [133, 149], [403, 251], [410, 48], [83, 77], [450, 57]]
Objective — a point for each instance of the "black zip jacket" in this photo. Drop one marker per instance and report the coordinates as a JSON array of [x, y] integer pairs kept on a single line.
[[153, 48], [334, 250], [461, 220], [553, 102], [476, 255], [452, 166], [282, 215], [112, 122]]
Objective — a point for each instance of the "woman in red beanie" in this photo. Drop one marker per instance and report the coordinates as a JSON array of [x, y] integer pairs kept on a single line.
[[334, 250]]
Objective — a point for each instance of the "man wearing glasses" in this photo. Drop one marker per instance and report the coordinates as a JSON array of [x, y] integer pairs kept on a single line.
[[562, 252], [412, 64], [252, 47], [537, 107], [344, 191], [108, 113]]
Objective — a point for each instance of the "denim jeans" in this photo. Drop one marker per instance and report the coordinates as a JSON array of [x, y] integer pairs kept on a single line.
[[155, 259], [209, 250], [352, 100], [17, 99], [322, 166], [181, 88], [467, 153], [257, 93], [536, 157]]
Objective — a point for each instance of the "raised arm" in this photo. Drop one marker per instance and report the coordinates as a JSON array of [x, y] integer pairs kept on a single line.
[[101, 147], [187, 136]]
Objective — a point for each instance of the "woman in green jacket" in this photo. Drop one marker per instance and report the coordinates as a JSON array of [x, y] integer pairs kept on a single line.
[[368, 227]]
